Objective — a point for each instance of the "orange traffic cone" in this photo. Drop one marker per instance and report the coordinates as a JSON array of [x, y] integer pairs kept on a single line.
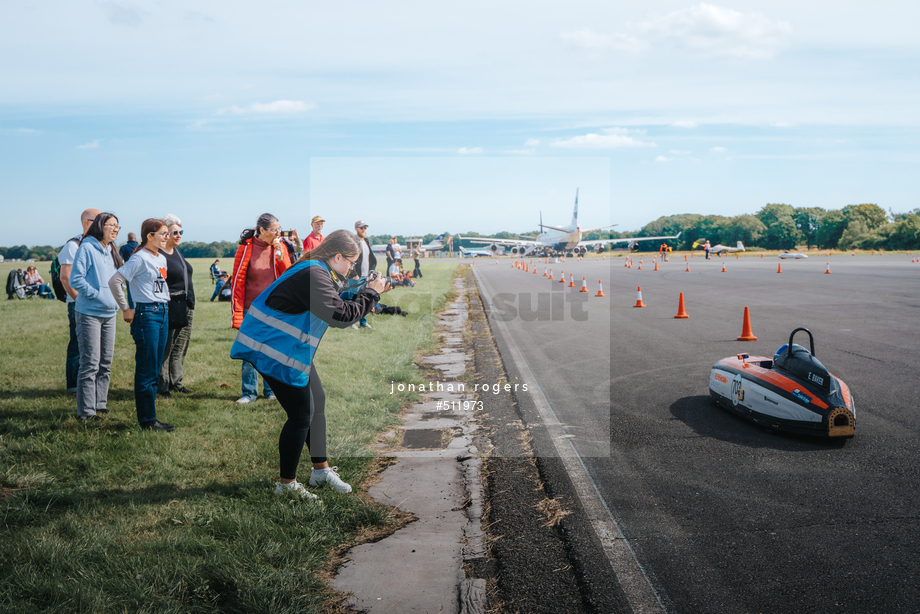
[[584, 285], [656, 265], [550, 273], [761, 255], [827, 271], [639, 302], [723, 268], [600, 289], [688, 267], [737, 256], [746, 333], [562, 277], [681, 312], [640, 265], [571, 282], [779, 267], [535, 270]]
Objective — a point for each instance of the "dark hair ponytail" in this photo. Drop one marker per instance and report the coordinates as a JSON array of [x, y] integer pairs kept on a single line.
[[150, 226], [265, 220]]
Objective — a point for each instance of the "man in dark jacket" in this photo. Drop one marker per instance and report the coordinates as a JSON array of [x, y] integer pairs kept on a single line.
[[365, 263], [125, 252]]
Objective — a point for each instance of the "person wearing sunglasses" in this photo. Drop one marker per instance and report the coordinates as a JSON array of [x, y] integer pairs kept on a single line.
[[280, 335], [181, 311], [95, 310], [260, 259]]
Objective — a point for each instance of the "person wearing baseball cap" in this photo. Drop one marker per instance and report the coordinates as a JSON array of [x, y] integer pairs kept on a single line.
[[365, 263], [316, 235]]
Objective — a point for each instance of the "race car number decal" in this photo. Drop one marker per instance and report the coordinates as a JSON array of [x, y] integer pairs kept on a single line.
[[737, 391]]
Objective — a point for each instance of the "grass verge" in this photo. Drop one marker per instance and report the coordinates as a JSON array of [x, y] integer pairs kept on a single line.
[[109, 518]]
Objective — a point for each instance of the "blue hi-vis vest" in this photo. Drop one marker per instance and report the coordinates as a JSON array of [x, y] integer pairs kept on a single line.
[[280, 345]]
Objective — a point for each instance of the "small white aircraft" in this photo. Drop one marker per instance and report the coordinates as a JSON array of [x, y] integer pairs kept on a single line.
[[721, 249], [474, 253], [793, 255], [565, 240]]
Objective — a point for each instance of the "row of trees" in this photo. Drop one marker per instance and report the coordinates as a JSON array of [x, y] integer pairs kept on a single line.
[[779, 226], [775, 226]]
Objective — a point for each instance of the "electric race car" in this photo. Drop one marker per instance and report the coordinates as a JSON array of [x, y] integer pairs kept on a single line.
[[790, 392]]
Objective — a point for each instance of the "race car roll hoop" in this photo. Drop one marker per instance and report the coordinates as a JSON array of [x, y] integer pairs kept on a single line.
[[791, 392]]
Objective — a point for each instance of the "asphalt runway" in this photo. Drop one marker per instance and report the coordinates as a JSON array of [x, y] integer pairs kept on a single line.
[[720, 515]]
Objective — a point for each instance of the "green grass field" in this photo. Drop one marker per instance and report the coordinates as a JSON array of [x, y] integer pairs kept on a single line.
[[107, 518]]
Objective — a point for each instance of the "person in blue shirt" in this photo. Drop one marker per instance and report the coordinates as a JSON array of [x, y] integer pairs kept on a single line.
[[95, 309], [125, 252]]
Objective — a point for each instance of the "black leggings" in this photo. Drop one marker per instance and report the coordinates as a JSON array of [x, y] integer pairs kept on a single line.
[[306, 410]]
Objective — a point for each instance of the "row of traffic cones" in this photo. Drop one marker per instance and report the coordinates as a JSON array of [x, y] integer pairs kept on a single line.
[[746, 333]]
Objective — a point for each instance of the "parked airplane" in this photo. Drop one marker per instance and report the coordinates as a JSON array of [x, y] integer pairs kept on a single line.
[[794, 255], [566, 240], [473, 253], [435, 246], [720, 249]]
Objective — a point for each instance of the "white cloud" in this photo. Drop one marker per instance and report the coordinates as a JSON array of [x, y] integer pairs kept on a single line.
[[622, 131], [92, 145], [531, 142], [718, 149], [662, 159], [286, 107], [684, 123], [469, 150], [782, 125], [124, 15], [602, 141], [28, 131], [589, 39], [704, 29]]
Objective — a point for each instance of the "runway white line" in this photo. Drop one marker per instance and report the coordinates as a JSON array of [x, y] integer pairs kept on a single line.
[[639, 591]]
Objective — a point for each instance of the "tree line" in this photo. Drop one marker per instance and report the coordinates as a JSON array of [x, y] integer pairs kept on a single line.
[[780, 226]]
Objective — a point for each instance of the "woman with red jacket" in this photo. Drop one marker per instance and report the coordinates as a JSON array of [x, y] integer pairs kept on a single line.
[[260, 259]]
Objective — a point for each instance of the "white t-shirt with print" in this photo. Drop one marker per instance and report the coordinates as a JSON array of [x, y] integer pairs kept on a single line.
[[147, 275], [68, 254]]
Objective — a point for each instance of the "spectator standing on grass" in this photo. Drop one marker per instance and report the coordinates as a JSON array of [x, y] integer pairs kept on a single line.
[[95, 308], [366, 262], [391, 252], [417, 273], [215, 271], [146, 272], [304, 300], [33, 278], [182, 310], [66, 258], [260, 259], [125, 252], [316, 235]]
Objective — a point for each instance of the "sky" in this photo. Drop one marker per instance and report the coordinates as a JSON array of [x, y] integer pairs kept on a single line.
[[420, 117]]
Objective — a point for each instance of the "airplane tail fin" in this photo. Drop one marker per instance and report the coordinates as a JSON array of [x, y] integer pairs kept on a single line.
[[574, 211], [740, 245]]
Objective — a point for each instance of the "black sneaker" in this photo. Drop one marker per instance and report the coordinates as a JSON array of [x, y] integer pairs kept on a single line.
[[163, 395], [182, 389], [102, 411], [158, 426]]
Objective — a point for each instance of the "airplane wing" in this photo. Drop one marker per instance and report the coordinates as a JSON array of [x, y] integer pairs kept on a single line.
[[627, 240], [511, 242]]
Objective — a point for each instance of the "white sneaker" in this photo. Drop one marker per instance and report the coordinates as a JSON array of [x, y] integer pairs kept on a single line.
[[367, 326], [329, 476], [271, 397], [244, 399], [355, 326], [296, 488]]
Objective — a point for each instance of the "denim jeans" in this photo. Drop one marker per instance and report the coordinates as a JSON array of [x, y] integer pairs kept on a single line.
[[149, 329], [97, 345], [251, 382], [72, 366]]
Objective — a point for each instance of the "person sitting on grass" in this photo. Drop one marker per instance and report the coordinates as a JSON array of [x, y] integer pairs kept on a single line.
[[222, 279], [280, 335], [398, 276], [34, 280]]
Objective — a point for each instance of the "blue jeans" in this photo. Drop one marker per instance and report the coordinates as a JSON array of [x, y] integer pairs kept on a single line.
[[149, 329], [72, 366], [251, 382]]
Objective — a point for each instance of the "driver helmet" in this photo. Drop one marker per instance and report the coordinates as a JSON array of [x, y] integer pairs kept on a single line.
[[782, 350]]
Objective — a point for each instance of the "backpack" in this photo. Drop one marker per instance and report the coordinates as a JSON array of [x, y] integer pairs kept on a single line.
[[59, 292]]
